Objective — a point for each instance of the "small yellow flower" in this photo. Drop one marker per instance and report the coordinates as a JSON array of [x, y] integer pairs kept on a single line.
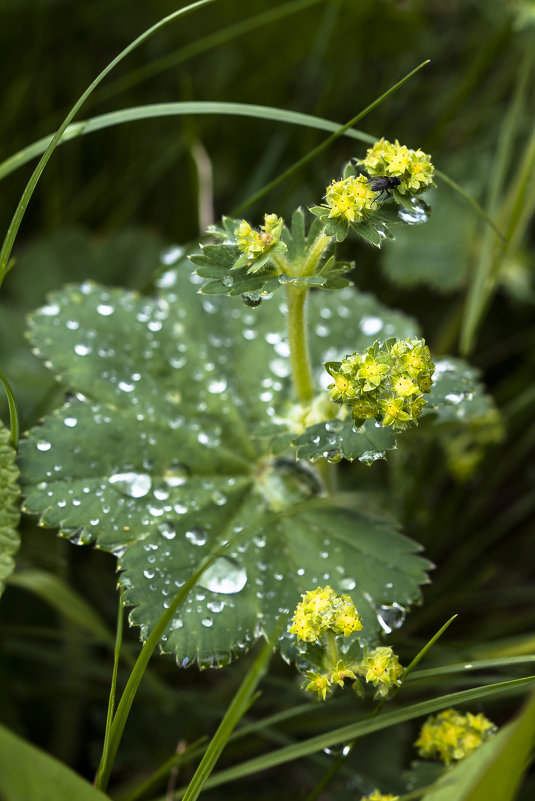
[[318, 684], [394, 414], [404, 387], [381, 668], [340, 673]]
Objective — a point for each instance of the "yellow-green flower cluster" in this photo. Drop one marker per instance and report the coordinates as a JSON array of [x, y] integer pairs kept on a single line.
[[255, 243], [451, 736], [321, 683], [350, 198], [381, 668], [322, 610], [378, 796], [386, 382], [412, 167]]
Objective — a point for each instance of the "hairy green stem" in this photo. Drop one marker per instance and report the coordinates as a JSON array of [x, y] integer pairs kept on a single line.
[[298, 343], [315, 251]]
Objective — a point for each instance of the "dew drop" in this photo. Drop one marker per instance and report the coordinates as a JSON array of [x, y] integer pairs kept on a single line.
[[207, 622], [251, 299], [51, 310], [70, 422], [196, 536], [82, 350], [224, 576], [217, 386], [171, 255], [43, 445], [370, 325], [105, 309], [167, 531], [390, 616], [136, 485]]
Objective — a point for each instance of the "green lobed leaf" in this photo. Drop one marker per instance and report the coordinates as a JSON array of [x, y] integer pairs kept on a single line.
[[153, 456], [337, 439], [457, 395], [9, 511], [28, 773]]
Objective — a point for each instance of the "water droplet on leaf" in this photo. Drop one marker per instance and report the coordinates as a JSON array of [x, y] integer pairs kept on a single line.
[[224, 576]]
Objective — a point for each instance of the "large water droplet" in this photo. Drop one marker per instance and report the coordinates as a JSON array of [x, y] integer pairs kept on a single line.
[[390, 616], [224, 576], [136, 485], [252, 299], [196, 536]]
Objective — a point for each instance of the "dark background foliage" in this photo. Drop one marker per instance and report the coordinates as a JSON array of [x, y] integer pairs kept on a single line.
[[137, 185]]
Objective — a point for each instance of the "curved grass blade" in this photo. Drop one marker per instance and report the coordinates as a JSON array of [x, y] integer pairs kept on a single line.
[[14, 225], [13, 413], [138, 113]]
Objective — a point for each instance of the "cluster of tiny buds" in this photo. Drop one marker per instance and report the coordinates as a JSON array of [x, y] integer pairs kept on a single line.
[[450, 735], [386, 382], [377, 796], [323, 613]]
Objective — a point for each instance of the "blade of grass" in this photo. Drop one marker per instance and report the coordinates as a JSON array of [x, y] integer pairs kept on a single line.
[[15, 223], [113, 687], [13, 413], [134, 680], [238, 706], [139, 113], [325, 144], [482, 282], [420, 655], [354, 730], [471, 666]]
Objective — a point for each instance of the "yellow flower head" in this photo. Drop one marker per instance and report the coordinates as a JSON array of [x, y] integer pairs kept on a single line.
[[412, 167], [254, 243], [350, 198], [377, 796], [381, 668], [323, 610], [451, 736]]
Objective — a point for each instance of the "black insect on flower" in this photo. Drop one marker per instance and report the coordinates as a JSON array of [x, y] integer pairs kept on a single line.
[[384, 183]]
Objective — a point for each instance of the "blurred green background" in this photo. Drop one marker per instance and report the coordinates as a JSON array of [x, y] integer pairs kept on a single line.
[[110, 202]]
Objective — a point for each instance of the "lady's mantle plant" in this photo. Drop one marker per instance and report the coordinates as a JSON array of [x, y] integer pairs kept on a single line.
[[192, 424]]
